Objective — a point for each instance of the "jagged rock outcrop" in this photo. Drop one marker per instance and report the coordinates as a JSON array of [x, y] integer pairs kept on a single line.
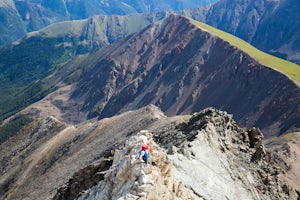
[[216, 159], [129, 178], [204, 156], [207, 157], [46, 154], [83, 180]]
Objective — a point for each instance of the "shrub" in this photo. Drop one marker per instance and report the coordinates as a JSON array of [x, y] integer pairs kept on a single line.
[[12, 127]]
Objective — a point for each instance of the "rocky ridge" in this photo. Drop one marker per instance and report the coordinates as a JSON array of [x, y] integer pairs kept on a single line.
[[152, 67], [238, 165], [287, 148], [129, 178], [46, 153], [206, 157]]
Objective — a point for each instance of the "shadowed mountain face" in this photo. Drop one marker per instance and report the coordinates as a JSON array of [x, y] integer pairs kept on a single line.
[[181, 69], [272, 26]]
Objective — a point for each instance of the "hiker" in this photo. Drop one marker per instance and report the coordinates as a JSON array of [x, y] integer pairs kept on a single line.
[[144, 153]]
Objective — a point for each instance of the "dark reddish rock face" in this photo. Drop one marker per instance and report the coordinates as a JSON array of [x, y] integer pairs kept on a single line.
[[182, 69]]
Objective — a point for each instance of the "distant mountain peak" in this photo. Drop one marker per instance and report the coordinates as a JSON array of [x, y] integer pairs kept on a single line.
[[31, 15]]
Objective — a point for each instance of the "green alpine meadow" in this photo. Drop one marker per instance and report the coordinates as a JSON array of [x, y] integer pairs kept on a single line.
[[291, 70]]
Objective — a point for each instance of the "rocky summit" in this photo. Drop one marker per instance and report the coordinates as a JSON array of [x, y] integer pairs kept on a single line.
[[201, 156]]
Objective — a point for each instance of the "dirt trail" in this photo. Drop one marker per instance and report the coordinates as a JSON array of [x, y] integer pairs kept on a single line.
[[40, 154]]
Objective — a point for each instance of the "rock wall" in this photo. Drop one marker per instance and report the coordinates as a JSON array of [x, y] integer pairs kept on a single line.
[[83, 180]]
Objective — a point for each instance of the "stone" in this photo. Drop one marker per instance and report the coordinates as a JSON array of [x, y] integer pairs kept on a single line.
[[129, 178]]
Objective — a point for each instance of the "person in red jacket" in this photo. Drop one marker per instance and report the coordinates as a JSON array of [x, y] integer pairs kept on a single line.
[[144, 153]]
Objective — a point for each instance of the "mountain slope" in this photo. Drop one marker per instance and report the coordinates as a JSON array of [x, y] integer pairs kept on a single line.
[[180, 68], [287, 149], [271, 26], [100, 30], [291, 70], [31, 59], [11, 25], [97, 159], [48, 152], [20, 17]]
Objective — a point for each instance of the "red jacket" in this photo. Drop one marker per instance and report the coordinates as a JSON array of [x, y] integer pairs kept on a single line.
[[146, 147]]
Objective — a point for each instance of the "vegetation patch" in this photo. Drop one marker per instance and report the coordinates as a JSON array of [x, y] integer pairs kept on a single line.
[[291, 136], [186, 117], [12, 127], [23, 66], [291, 70]]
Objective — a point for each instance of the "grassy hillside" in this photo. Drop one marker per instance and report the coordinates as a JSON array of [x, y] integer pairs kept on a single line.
[[99, 27], [11, 27], [23, 66], [21, 69], [19, 17], [291, 70], [291, 136], [10, 128]]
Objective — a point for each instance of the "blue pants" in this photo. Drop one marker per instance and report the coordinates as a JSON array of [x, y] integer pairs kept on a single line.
[[145, 155]]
